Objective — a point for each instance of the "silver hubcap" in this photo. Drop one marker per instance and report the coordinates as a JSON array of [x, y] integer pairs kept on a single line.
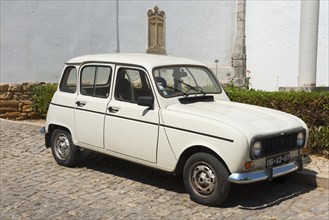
[[62, 146], [203, 179]]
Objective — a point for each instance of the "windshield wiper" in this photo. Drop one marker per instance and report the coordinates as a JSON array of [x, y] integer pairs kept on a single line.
[[192, 87], [177, 90]]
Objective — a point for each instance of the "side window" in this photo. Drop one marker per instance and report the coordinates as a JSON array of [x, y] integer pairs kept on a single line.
[[95, 81], [87, 80], [69, 80], [130, 84]]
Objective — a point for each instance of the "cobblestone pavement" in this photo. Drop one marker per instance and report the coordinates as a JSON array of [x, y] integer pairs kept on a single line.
[[320, 165], [33, 186]]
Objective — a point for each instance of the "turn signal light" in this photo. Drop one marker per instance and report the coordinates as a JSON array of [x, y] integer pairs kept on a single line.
[[300, 151], [248, 165]]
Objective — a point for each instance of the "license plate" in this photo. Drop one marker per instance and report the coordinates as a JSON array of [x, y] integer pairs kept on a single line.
[[277, 160]]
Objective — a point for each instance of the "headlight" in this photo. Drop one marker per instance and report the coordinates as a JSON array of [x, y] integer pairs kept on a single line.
[[256, 149], [300, 139]]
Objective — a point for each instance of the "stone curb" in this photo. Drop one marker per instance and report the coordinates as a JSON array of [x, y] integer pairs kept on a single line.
[[311, 178], [39, 123]]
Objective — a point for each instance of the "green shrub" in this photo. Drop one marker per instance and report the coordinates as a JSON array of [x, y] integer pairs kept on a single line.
[[319, 141], [41, 98], [311, 107]]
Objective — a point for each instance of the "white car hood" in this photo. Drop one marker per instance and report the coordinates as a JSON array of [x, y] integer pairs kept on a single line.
[[251, 120]]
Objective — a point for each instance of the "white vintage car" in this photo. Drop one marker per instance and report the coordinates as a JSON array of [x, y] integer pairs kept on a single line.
[[171, 114]]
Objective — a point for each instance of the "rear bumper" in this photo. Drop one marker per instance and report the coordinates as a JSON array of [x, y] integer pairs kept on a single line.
[[43, 130], [267, 174], [47, 136]]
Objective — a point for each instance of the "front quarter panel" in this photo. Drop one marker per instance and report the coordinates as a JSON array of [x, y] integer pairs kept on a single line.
[[185, 131]]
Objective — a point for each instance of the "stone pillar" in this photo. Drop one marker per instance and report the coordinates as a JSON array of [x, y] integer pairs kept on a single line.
[[308, 43], [239, 57], [156, 31]]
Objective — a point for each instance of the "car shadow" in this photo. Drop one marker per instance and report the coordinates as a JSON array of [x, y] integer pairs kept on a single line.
[[262, 195], [132, 171], [253, 196]]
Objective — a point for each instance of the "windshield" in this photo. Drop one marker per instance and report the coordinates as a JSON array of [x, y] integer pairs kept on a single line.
[[185, 80]]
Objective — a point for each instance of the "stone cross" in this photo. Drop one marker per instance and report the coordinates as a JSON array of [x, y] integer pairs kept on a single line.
[[156, 31]]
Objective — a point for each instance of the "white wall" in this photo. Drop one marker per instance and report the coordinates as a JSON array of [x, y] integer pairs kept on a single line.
[[37, 37], [272, 30]]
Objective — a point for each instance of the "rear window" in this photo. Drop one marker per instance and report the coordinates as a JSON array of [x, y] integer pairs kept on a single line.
[[69, 80]]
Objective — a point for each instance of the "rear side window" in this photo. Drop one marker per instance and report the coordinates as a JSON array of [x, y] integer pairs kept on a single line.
[[69, 80], [95, 81]]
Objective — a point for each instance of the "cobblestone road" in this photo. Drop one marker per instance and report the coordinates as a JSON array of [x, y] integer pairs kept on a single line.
[[33, 186]]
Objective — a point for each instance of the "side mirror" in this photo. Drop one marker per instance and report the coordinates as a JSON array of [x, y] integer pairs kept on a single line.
[[146, 101]]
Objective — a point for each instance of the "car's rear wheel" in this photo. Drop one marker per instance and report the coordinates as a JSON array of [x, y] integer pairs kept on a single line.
[[205, 179], [64, 151]]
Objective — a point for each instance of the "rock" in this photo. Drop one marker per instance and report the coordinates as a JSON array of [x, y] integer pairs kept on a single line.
[[4, 87], [11, 115], [31, 114], [27, 102], [9, 104], [27, 86], [15, 88], [7, 109], [6, 96], [25, 97], [27, 108]]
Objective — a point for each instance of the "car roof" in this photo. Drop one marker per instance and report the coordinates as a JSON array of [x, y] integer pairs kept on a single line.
[[146, 60]]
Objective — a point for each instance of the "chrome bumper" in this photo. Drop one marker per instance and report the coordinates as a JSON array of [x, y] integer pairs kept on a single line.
[[267, 174]]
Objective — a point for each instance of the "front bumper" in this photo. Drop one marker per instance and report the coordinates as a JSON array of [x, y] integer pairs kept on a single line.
[[267, 174]]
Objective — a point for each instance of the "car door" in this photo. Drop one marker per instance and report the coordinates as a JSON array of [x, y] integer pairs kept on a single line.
[[91, 104], [130, 129]]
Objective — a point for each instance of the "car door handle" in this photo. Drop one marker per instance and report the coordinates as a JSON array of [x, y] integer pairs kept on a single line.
[[113, 109], [81, 104]]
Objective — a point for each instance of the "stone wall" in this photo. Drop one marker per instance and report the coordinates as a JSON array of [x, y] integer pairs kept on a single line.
[[16, 101]]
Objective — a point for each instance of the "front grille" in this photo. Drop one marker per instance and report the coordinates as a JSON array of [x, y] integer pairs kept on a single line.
[[278, 143]]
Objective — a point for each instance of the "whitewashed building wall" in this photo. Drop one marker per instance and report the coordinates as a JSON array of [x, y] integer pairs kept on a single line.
[[272, 30], [37, 37]]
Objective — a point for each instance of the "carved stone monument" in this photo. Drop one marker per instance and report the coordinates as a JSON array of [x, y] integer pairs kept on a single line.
[[156, 31], [239, 57]]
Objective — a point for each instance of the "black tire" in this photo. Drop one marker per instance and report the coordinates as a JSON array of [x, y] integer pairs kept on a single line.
[[205, 179], [64, 151]]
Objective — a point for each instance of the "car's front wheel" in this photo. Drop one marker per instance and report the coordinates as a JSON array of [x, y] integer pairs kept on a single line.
[[64, 151], [205, 179]]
